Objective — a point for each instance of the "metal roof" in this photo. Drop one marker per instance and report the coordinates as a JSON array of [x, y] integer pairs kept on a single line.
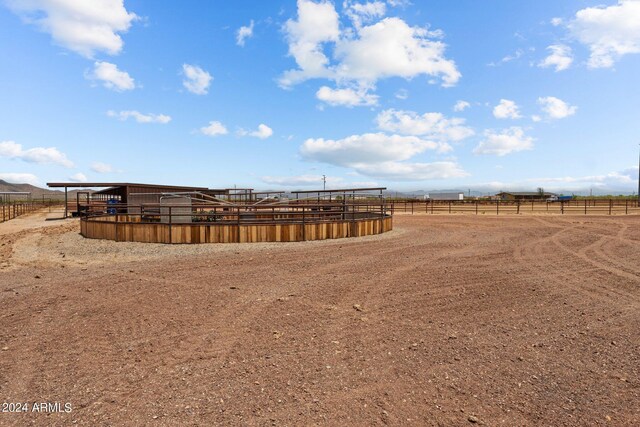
[[340, 190], [117, 184]]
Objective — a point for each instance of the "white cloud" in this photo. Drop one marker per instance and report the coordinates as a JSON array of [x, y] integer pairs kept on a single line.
[[536, 118], [363, 13], [214, 129], [317, 23], [366, 148], [139, 117], [196, 79], [346, 97], [461, 106], [560, 57], [263, 132], [364, 54], [609, 32], [20, 178], [556, 21], [244, 32], [401, 171], [302, 180], [430, 125], [506, 109], [111, 77], [41, 155], [78, 177], [100, 167], [84, 27], [556, 108], [505, 142], [402, 94], [624, 179]]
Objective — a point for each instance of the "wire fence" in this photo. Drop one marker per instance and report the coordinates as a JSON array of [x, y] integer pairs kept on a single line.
[[502, 207]]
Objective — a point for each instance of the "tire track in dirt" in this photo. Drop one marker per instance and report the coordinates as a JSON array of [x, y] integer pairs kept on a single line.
[[566, 271]]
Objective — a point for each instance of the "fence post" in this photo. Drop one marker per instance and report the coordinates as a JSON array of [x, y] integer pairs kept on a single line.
[[304, 228], [518, 209], [585, 206], [449, 206], [476, 207], [497, 207], [412, 207], [610, 205], [562, 207], [626, 206]]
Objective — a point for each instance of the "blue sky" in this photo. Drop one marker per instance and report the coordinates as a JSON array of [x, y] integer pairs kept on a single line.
[[421, 95]]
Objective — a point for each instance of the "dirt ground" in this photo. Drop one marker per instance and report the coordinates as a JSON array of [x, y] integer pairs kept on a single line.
[[447, 320]]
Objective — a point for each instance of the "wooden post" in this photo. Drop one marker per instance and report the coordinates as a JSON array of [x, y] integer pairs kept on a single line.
[[497, 207], [449, 206], [610, 205], [626, 206], [304, 231], [476, 207], [518, 209], [170, 236]]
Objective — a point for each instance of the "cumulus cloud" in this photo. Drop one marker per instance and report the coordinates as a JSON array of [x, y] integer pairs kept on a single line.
[[560, 57], [302, 180], [365, 53], [434, 126], [556, 108], [609, 32], [78, 177], [346, 97], [624, 179], [367, 12], [365, 148], [139, 117], [196, 80], [461, 106], [41, 155], [244, 32], [263, 132], [402, 94], [84, 27], [111, 77], [504, 142], [19, 178], [380, 155], [506, 109], [404, 171], [100, 167], [214, 129]]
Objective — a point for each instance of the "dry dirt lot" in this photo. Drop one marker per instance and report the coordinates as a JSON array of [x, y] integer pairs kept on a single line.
[[447, 320]]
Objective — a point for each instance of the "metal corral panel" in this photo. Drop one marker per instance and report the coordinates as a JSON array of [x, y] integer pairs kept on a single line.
[[180, 209], [446, 196]]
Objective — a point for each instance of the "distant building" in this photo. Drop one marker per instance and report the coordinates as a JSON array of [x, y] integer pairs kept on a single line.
[[445, 196], [524, 195]]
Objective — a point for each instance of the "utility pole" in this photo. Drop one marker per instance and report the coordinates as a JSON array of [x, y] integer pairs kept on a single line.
[[324, 182], [639, 176]]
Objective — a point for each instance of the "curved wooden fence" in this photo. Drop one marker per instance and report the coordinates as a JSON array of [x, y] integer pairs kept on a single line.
[[233, 223], [122, 229]]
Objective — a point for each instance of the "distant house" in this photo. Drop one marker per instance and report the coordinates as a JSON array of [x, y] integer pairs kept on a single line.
[[524, 195], [445, 196]]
